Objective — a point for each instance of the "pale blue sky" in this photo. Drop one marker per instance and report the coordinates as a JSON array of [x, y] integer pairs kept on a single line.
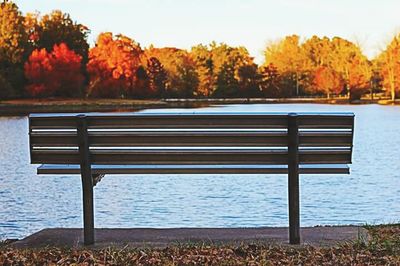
[[252, 23]]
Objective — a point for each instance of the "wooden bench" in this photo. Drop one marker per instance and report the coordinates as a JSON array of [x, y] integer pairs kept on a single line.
[[96, 144]]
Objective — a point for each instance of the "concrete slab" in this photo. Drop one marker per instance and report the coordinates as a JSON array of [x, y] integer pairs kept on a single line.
[[149, 237]]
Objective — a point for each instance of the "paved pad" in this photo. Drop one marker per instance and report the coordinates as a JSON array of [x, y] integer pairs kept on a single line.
[[149, 237]]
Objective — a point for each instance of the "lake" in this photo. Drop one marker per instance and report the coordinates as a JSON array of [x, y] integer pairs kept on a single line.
[[369, 195]]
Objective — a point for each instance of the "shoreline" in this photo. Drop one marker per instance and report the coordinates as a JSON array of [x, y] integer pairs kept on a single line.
[[23, 107]]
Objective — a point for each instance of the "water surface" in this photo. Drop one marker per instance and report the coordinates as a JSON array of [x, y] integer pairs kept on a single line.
[[370, 194]]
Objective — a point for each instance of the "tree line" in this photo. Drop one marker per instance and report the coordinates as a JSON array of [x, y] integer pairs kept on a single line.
[[49, 56]]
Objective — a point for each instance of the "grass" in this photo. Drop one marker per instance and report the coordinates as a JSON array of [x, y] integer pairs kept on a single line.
[[382, 249]]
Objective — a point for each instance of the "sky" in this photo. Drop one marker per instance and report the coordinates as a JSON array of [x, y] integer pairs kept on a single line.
[[251, 23]]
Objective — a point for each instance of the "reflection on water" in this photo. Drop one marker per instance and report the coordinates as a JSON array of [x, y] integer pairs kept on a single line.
[[370, 194]]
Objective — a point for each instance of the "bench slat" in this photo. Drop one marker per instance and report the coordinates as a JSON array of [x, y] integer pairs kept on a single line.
[[191, 156], [191, 138], [194, 169], [164, 139], [193, 120]]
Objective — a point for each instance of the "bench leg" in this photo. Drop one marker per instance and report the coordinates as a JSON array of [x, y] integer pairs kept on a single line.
[[88, 212], [294, 209], [87, 180], [293, 180]]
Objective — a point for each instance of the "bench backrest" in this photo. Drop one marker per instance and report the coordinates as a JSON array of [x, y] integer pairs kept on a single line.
[[192, 143], [192, 138]]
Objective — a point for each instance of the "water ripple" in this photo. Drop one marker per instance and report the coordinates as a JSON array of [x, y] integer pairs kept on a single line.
[[371, 193]]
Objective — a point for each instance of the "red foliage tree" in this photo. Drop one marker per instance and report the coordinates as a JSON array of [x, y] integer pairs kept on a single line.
[[54, 74], [37, 71]]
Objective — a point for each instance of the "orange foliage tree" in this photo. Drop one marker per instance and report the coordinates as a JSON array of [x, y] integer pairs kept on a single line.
[[328, 81], [57, 73], [112, 66]]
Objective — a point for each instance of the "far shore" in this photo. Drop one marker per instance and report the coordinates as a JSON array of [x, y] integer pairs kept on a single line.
[[55, 105]]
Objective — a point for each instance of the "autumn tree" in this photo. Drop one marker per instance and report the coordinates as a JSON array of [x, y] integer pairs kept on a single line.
[[31, 25], [202, 56], [227, 61], [227, 85], [291, 62], [141, 84], [157, 77], [389, 64], [57, 73], [377, 78], [55, 28], [271, 82], [249, 81], [181, 76], [224, 71], [13, 41], [354, 67], [328, 81], [113, 64], [318, 51]]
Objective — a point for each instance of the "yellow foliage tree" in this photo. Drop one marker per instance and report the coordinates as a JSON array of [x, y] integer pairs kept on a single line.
[[389, 62]]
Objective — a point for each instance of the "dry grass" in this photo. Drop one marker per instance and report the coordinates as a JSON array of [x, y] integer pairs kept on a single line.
[[382, 249]]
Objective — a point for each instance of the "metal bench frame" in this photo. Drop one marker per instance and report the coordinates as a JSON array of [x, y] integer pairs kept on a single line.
[[48, 130]]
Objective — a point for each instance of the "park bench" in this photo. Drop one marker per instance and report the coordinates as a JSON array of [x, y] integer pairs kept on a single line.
[[98, 144]]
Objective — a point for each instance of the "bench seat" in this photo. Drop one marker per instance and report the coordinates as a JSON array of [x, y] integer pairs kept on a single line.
[[98, 144], [194, 169]]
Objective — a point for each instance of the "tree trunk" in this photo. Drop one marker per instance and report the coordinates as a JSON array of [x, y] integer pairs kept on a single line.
[[392, 92]]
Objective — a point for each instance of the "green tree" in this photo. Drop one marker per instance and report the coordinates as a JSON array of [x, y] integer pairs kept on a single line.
[[141, 84], [182, 78], [227, 85], [205, 69], [6, 90], [249, 81], [270, 83], [13, 41], [223, 70], [157, 76]]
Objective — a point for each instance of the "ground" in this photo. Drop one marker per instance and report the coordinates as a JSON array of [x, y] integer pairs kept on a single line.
[[383, 248]]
